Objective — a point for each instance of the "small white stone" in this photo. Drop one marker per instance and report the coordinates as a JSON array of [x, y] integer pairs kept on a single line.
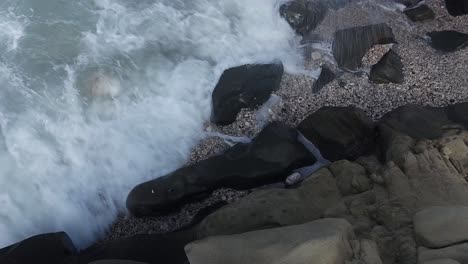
[[316, 55], [247, 124]]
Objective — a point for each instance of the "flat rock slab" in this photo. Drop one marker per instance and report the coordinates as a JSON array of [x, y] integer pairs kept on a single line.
[[246, 86], [351, 44], [324, 241], [439, 226], [339, 132], [388, 70], [270, 157], [458, 253], [274, 207], [457, 7], [420, 13], [447, 40]]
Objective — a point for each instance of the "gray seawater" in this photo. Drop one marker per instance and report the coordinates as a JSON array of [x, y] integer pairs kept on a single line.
[[97, 96]]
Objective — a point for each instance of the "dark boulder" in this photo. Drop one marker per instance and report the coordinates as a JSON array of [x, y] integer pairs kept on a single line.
[[151, 249], [270, 156], [419, 13], [447, 40], [246, 86], [46, 248], [388, 69], [351, 44], [458, 113], [457, 7], [408, 3], [302, 15], [340, 132], [326, 76], [418, 122]]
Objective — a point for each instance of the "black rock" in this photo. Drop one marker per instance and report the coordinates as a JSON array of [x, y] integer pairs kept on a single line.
[[153, 249], [448, 40], [270, 156], [246, 86], [458, 113], [457, 7], [326, 76], [340, 132], [350, 45], [408, 3], [388, 69], [303, 16], [46, 248], [418, 122], [420, 13]]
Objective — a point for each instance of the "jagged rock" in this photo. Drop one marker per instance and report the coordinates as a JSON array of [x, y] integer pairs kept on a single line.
[[326, 76], [447, 40], [324, 241], [351, 44], [419, 13], [274, 208], [157, 248], [441, 261], [270, 157], [457, 253], [388, 69], [340, 132], [303, 15], [351, 177], [46, 248], [246, 86], [457, 7], [440, 226]]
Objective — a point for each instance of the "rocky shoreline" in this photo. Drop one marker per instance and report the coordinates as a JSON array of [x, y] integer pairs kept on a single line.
[[367, 162]]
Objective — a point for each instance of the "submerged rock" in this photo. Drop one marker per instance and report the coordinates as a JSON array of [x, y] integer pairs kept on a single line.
[[303, 15], [408, 3], [246, 86], [442, 226], [457, 7], [419, 13], [351, 44], [447, 40], [324, 241], [51, 248], [326, 76], [340, 132], [388, 69], [270, 157]]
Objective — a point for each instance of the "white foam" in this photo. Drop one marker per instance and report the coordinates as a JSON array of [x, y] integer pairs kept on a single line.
[[68, 161]]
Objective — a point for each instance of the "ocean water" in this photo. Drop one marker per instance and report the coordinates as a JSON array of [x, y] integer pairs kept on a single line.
[[97, 96]]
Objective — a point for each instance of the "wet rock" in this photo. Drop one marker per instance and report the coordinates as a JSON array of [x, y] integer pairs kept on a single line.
[[246, 86], [351, 44], [321, 241], [46, 248], [340, 132], [326, 76], [408, 3], [447, 40], [457, 7], [270, 157], [274, 208], [457, 113], [419, 13], [388, 69], [303, 15], [157, 248], [351, 177], [441, 226], [458, 253]]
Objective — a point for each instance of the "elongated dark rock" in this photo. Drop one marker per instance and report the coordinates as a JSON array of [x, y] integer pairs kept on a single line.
[[270, 157], [246, 86], [326, 76], [388, 69], [447, 40], [351, 44]]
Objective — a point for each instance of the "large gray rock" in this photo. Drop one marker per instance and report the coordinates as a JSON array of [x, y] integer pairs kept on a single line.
[[324, 241], [351, 44], [246, 86], [351, 177], [270, 157], [441, 226], [274, 207], [458, 253]]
